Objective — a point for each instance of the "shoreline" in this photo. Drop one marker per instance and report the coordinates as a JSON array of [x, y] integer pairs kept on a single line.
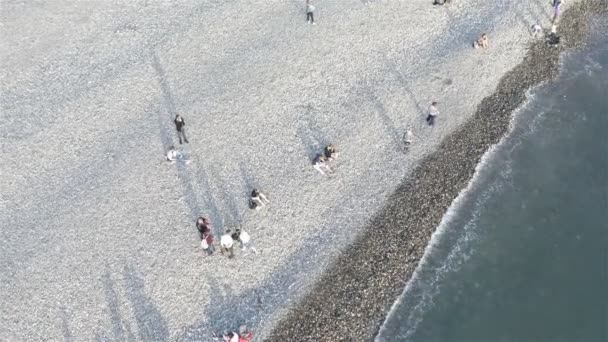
[[353, 297]]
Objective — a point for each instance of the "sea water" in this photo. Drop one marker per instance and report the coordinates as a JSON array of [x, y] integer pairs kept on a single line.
[[522, 254]]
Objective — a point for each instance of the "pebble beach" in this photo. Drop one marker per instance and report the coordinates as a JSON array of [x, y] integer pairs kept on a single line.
[[97, 236]]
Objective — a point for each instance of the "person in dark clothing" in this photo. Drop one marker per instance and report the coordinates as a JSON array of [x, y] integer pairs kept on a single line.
[[330, 152], [181, 130], [441, 2], [203, 225]]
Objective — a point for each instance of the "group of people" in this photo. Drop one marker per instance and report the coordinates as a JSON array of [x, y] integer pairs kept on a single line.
[[244, 335], [321, 162], [227, 240]]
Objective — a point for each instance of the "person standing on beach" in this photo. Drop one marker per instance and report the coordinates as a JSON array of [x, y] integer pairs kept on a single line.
[[181, 130], [203, 225], [227, 244], [408, 138], [245, 240], [433, 112], [309, 12]]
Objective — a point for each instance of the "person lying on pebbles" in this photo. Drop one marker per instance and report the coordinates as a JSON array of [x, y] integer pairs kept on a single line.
[[174, 155], [320, 164], [257, 200], [483, 42], [441, 2]]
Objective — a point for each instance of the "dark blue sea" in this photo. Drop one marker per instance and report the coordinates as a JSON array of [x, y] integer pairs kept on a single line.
[[522, 255]]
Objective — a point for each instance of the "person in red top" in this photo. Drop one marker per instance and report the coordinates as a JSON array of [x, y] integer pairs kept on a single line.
[[203, 225]]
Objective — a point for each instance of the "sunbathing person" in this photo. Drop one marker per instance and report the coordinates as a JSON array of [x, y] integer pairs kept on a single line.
[[257, 200]]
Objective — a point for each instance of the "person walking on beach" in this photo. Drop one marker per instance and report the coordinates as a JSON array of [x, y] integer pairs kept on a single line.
[[181, 130], [433, 112], [309, 12]]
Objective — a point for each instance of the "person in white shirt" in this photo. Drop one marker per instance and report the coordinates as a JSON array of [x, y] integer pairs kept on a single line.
[[433, 112], [309, 12], [408, 138], [226, 242], [173, 155], [245, 240]]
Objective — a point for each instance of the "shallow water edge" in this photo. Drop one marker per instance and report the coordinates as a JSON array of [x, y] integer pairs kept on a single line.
[[352, 298]]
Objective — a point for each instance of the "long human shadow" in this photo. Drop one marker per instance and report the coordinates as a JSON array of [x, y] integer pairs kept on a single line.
[[387, 121], [65, 325], [164, 121], [119, 332], [249, 180], [209, 201], [48, 202], [228, 310], [310, 134], [99, 75], [151, 325], [231, 214]]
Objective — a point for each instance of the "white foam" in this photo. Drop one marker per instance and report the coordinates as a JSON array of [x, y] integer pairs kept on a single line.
[[421, 289]]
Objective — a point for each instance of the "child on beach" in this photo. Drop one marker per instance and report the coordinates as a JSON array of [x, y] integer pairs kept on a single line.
[[257, 200], [433, 112]]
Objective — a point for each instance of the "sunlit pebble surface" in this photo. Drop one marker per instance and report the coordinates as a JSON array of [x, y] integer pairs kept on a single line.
[[98, 238]]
